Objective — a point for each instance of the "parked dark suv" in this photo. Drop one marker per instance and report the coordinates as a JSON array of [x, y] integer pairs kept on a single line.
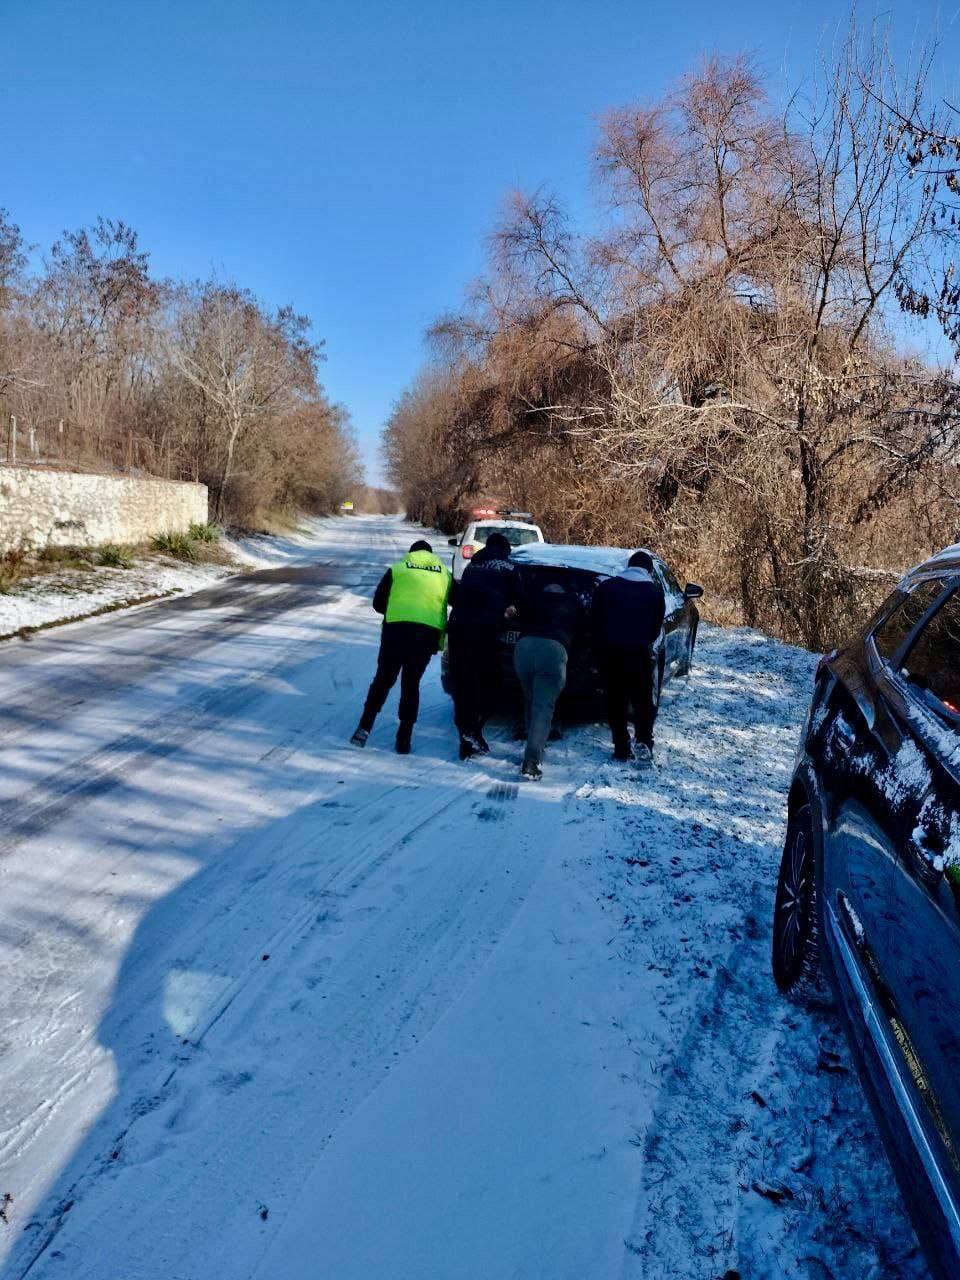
[[869, 885]]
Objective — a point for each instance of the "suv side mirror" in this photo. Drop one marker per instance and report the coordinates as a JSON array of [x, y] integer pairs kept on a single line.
[[453, 542], [692, 591]]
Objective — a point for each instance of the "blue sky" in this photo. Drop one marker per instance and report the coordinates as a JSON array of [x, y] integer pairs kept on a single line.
[[351, 158]]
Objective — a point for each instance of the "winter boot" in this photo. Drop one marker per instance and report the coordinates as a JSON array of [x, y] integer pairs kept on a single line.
[[530, 770], [404, 739], [467, 749], [475, 740], [622, 749], [360, 736], [645, 752]]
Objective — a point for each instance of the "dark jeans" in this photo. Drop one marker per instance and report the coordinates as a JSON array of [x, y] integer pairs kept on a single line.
[[628, 676], [475, 671], [405, 651]]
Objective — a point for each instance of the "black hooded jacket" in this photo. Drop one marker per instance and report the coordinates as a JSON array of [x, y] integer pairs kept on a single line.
[[489, 586], [627, 611]]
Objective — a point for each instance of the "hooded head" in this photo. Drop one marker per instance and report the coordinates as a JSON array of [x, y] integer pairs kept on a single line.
[[641, 560], [498, 547], [421, 544]]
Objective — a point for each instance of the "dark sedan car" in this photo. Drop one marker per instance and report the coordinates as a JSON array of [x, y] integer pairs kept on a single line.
[[581, 569], [869, 886]]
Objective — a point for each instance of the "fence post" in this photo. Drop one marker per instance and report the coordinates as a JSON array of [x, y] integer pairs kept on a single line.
[[60, 437], [13, 437], [31, 440]]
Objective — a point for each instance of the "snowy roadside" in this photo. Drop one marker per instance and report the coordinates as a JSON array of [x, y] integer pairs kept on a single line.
[[73, 594]]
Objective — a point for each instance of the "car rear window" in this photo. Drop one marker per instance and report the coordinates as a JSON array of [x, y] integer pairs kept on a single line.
[[933, 662], [516, 537], [890, 635]]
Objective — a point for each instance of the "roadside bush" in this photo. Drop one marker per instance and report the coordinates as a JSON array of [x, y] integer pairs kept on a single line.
[[63, 557], [114, 557], [204, 532], [179, 545], [12, 566]]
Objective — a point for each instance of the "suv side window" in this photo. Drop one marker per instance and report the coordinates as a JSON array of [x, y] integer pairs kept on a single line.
[[933, 662], [890, 635]]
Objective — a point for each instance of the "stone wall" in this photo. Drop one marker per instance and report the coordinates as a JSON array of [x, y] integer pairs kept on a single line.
[[65, 508]]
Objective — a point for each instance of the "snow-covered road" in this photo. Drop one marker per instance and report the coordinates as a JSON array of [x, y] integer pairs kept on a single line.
[[273, 1007]]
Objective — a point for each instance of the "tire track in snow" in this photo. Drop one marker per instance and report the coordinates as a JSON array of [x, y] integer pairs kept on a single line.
[[691, 1164], [95, 774], [381, 998], [69, 688], [59, 1099]]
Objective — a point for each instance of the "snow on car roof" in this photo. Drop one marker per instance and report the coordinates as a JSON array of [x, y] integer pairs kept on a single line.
[[607, 560], [948, 553]]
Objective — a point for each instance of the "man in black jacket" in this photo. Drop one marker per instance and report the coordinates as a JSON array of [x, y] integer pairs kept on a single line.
[[626, 618], [483, 598]]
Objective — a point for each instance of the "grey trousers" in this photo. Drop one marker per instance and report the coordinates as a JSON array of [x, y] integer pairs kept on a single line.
[[541, 667]]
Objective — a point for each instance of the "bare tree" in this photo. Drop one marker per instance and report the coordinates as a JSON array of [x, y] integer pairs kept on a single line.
[[248, 366], [200, 382]]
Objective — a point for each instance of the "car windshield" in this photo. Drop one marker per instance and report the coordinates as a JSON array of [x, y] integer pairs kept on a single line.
[[516, 537]]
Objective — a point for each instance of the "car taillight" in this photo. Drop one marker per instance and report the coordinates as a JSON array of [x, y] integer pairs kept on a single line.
[[467, 551]]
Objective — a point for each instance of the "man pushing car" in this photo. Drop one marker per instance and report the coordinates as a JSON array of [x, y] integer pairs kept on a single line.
[[488, 593], [626, 616]]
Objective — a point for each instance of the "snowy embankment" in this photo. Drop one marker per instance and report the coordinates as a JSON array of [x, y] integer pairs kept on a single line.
[[45, 599], [281, 1007]]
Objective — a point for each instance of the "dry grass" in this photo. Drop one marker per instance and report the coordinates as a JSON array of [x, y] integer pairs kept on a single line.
[[275, 524], [12, 567]]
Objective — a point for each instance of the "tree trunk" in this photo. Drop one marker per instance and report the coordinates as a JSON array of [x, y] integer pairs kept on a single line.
[[228, 466]]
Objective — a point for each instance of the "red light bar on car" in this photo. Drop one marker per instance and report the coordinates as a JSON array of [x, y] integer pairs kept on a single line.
[[467, 551], [505, 513]]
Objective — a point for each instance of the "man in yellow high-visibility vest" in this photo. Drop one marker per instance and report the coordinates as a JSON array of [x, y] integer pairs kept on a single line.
[[412, 596]]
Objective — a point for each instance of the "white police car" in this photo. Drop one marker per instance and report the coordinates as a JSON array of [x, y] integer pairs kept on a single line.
[[516, 527]]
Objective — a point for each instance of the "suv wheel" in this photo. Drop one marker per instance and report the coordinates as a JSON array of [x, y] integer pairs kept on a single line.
[[796, 934]]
